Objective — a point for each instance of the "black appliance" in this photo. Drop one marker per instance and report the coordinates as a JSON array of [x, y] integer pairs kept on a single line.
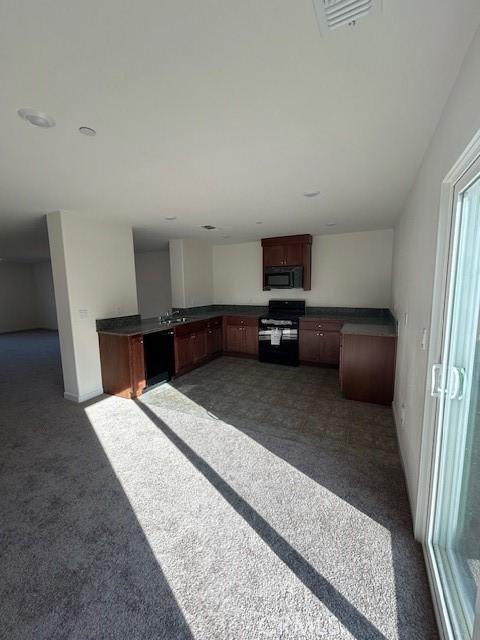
[[283, 278], [159, 357], [278, 332]]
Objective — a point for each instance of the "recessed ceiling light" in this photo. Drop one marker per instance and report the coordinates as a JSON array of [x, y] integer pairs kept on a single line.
[[208, 227], [87, 131], [170, 218], [311, 194], [331, 224], [37, 118]]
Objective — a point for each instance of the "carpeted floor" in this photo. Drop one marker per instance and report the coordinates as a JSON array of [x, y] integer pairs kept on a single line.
[[243, 501]]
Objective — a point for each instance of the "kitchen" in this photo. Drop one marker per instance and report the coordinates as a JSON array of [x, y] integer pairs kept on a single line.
[[137, 354]]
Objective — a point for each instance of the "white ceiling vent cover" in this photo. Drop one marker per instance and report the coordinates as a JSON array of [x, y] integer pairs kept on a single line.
[[332, 14]]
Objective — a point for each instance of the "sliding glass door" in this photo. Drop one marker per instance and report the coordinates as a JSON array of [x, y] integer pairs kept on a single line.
[[453, 543]]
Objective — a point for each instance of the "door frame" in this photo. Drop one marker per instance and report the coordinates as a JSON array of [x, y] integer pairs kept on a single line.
[[428, 453]]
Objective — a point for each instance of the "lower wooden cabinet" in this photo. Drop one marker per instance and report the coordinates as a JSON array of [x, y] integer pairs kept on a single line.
[[367, 368], [241, 335], [214, 337], [197, 342], [123, 365], [190, 345], [319, 342]]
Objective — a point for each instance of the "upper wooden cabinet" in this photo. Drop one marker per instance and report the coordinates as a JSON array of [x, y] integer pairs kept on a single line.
[[290, 251]]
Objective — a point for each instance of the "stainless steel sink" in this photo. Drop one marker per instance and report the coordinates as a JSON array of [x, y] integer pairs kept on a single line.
[[169, 321]]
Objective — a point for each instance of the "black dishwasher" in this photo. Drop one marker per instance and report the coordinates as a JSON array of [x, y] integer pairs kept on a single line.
[[159, 357]]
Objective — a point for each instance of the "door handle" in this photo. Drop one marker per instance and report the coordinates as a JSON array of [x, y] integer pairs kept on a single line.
[[458, 383]]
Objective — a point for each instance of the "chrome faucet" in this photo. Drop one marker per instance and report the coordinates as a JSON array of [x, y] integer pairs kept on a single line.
[[168, 315]]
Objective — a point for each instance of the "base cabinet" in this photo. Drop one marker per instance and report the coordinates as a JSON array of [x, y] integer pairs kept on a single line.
[[367, 368], [197, 342], [319, 342], [214, 337], [190, 346], [241, 335], [123, 365]]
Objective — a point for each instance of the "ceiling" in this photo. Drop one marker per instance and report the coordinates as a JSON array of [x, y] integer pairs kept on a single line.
[[218, 112]]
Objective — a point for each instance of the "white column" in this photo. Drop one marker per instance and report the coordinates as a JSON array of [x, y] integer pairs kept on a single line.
[[191, 268], [94, 277]]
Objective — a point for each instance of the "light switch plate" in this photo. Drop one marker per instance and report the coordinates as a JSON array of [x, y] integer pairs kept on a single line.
[[83, 313]]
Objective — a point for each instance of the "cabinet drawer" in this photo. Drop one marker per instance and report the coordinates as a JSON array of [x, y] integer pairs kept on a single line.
[[319, 324], [214, 323], [241, 321], [190, 327]]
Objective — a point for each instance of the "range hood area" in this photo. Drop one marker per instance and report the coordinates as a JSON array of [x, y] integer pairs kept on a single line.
[[287, 262]]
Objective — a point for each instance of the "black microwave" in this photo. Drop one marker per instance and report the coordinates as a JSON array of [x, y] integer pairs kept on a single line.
[[283, 278]]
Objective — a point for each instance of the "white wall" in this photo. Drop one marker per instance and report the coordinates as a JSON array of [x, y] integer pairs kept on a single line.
[[18, 308], [191, 272], [154, 288], [44, 295], [348, 270], [94, 276], [414, 257]]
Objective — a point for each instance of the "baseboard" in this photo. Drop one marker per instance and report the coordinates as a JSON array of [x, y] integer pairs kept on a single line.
[[75, 397], [396, 420]]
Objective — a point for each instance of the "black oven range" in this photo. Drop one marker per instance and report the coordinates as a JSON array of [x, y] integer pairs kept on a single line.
[[278, 332]]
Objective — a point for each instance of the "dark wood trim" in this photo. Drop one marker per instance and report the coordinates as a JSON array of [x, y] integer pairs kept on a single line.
[[300, 239], [307, 266]]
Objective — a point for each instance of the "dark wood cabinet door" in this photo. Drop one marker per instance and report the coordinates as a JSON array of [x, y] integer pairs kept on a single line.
[[137, 365], [293, 254], [309, 346], [330, 347], [274, 256], [211, 345], [218, 339], [183, 352], [233, 338], [199, 346], [214, 341], [250, 340], [320, 347]]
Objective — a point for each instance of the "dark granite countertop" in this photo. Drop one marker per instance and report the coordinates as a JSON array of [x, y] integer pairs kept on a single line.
[[370, 329], [134, 325]]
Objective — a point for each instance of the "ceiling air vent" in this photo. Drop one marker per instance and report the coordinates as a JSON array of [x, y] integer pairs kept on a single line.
[[208, 227], [332, 14]]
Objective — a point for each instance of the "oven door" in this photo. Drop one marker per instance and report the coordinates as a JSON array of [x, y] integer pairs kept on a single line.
[[278, 345]]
